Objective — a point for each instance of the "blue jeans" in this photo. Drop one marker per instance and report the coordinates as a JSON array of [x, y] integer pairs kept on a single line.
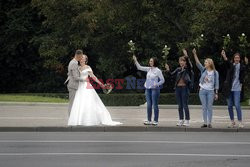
[[152, 97], [207, 100], [182, 94], [234, 99]]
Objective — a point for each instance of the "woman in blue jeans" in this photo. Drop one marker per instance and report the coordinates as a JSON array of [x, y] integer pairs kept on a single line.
[[153, 82], [233, 85], [183, 83], [209, 86]]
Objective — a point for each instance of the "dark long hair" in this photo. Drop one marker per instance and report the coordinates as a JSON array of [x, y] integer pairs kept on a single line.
[[156, 62]]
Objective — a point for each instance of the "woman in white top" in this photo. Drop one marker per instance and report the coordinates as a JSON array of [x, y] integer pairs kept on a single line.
[[87, 108], [209, 86], [153, 82]]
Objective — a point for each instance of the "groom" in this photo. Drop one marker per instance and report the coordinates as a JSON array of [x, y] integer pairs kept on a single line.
[[73, 77]]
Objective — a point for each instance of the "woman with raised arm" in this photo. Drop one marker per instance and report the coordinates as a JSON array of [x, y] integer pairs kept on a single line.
[[233, 85], [183, 84], [209, 86], [153, 84]]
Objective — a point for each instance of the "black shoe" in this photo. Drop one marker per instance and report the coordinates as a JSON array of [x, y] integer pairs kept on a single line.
[[209, 126], [204, 126]]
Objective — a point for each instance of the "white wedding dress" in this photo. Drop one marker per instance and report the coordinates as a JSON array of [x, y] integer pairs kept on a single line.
[[87, 108]]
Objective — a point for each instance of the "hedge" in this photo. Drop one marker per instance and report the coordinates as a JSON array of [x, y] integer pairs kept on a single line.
[[137, 99]]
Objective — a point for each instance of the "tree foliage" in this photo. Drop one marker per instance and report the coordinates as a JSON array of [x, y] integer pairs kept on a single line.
[[39, 37]]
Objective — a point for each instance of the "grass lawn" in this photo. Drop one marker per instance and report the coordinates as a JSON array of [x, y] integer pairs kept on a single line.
[[245, 103], [30, 98], [43, 97]]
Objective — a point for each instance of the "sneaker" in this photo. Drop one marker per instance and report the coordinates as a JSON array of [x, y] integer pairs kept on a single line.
[[204, 126], [241, 125], [155, 123], [186, 123], [209, 126], [180, 123], [147, 123], [232, 125]]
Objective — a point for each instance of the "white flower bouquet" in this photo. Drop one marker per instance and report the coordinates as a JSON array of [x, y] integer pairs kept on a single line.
[[165, 52], [107, 88], [132, 48], [198, 42], [226, 42]]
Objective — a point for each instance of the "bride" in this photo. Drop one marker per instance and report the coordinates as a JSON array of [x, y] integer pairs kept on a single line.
[[87, 108]]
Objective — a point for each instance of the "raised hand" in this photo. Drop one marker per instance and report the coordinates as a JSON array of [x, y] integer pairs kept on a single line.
[[195, 56], [223, 54], [194, 51], [184, 51]]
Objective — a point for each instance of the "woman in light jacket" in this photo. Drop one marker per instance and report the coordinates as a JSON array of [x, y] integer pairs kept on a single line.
[[153, 83], [209, 86]]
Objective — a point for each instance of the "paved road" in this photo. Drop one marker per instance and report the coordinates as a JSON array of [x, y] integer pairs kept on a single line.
[[117, 149]]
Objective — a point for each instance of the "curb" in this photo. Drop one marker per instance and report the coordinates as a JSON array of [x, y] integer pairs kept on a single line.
[[119, 129], [141, 106]]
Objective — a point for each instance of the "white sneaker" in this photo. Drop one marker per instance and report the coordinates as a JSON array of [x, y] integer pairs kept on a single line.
[[155, 123], [147, 123], [180, 123], [232, 125], [241, 125], [186, 123]]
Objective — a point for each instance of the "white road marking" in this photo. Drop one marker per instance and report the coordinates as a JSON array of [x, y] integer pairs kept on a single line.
[[125, 154], [121, 141]]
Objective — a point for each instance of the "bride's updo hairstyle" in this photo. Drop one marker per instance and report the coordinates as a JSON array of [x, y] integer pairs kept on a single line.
[[86, 57]]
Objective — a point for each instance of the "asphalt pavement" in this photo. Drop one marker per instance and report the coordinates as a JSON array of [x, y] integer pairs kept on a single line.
[[124, 149]]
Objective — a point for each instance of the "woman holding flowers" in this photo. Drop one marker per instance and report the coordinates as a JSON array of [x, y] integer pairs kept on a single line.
[[153, 83], [233, 85], [183, 83], [209, 86]]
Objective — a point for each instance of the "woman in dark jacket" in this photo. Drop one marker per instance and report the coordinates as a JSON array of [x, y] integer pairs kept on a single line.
[[183, 82], [232, 87]]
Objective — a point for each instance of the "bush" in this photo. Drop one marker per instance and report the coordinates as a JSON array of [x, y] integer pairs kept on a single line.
[[137, 99]]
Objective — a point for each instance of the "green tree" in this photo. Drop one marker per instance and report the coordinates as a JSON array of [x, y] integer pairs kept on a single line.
[[39, 37], [19, 61]]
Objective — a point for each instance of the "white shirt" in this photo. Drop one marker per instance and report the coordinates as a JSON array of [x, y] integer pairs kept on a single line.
[[236, 79], [208, 83]]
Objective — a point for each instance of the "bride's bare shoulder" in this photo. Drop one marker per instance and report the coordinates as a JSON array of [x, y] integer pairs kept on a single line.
[[89, 67]]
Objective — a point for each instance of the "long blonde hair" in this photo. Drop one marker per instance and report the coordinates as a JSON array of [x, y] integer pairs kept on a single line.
[[211, 63]]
